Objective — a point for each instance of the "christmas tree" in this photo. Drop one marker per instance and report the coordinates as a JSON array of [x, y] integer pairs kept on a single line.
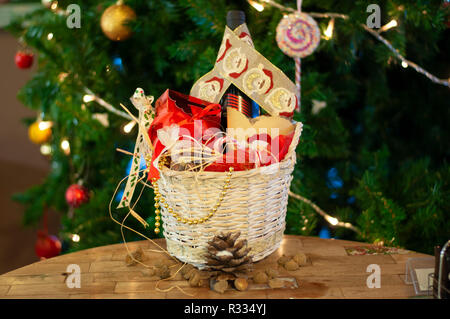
[[373, 153]]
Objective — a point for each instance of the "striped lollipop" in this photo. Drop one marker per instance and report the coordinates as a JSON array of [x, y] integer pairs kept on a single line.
[[298, 35]]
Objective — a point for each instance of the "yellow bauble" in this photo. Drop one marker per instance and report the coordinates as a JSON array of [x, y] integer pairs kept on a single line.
[[39, 135], [114, 19]]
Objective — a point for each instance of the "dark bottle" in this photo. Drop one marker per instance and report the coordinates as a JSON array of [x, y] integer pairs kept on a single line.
[[233, 97]]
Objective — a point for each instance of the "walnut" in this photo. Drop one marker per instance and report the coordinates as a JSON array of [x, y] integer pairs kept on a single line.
[[138, 255], [272, 273], [163, 272], [276, 283], [301, 259], [218, 285], [241, 284], [260, 278], [194, 280], [291, 265], [283, 259]]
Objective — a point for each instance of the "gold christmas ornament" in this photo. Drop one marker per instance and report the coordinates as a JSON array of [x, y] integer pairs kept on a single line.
[[40, 132], [114, 19]]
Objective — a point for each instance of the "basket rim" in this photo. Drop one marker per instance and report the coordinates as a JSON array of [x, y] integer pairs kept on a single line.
[[285, 163]]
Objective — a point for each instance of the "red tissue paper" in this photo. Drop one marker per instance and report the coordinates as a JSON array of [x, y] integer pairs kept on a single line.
[[201, 120]]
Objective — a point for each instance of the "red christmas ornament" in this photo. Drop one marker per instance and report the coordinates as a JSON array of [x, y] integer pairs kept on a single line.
[[47, 246], [77, 195], [23, 59]]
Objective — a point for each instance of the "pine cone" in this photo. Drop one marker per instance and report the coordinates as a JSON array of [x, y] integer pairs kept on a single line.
[[227, 254]]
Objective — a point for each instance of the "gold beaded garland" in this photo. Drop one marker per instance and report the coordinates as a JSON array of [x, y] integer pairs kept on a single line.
[[160, 201]]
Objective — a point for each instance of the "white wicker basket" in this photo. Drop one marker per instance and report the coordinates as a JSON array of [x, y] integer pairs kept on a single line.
[[255, 204]]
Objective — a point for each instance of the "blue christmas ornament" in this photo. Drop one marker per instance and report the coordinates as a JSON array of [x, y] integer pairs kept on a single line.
[[334, 181], [332, 173]]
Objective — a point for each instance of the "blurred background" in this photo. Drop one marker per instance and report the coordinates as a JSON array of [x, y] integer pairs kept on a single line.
[[22, 164]]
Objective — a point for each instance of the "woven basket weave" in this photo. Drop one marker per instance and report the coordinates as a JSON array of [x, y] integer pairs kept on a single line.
[[255, 204]]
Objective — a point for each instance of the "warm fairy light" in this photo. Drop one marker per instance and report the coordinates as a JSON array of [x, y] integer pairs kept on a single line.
[[62, 76], [128, 127], [329, 31], [54, 5], [391, 24], [43, 125], [46, 149], [404, 64], [65, 146], [50, 36], [256, 5], [88, 98], [333, 221], [75, 238]]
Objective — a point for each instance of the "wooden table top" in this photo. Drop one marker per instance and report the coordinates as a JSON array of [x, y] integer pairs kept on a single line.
[[332, 272]]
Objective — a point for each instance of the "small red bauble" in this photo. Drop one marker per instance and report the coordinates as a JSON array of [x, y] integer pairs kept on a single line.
[[77, 195], [47, 246], [23, 59]]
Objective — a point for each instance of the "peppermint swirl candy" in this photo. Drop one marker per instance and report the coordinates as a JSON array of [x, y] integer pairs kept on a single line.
[[298, 35]]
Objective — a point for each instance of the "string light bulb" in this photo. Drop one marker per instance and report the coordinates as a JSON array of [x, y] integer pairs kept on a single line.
[[43, 125], [329, 31], [404, 64], [49, 36], [88, 98], [65, 146], [332, 220], [392, 24], [128, 127], [54, 5], [62, 76], [46, 149], [258, 6], [75, 238]]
